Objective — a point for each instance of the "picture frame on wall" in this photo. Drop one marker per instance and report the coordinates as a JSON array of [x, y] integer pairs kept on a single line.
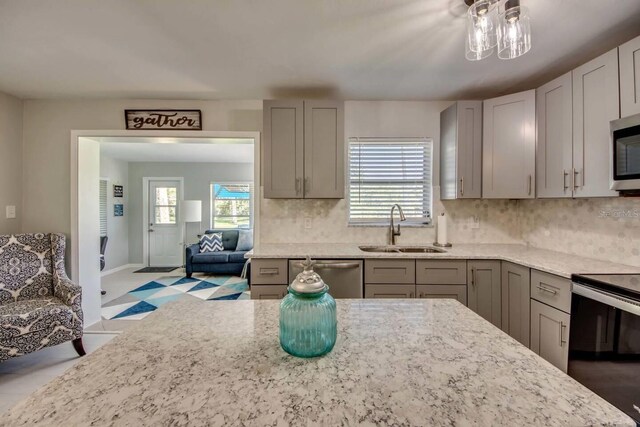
[[163, 119], [118, 209], [118, 191]]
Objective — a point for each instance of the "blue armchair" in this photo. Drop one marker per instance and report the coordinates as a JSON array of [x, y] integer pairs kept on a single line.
[[228, 262]]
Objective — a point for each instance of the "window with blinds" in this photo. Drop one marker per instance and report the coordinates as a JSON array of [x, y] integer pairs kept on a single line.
[[103, 207], [383, 172]]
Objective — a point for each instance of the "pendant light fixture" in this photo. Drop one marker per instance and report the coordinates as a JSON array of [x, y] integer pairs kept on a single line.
[[501, 25], [514, 31]]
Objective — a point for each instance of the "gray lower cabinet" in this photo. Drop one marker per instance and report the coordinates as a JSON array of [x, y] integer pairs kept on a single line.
[[303, 149], [484, 290], [550, 334], [389, 291], [384, 271], [268, 291], [457, 292], [516, 301]]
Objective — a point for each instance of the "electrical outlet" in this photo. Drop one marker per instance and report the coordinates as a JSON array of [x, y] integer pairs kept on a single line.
[[11, 212], [474, 222], [308, 222]]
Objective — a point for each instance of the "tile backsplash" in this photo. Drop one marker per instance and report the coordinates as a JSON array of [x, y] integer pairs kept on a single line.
[[606, 228]]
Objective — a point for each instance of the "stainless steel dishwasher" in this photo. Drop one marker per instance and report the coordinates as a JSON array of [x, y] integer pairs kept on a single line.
[[344, 277]]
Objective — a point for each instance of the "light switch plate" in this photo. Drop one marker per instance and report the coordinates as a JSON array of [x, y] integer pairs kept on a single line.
[[308, 222], [11, 212], [474, 222]]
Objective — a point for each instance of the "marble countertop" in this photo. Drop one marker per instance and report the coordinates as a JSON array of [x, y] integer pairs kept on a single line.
[[553, 262], [396, 362]]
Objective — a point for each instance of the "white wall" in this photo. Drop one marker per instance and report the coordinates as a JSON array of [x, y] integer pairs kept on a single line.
[[197, 180], [10, 161], [46, 145], [117, 173]]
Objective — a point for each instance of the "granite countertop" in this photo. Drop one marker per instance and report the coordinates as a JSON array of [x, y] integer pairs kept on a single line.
[[553, 262], [396, 362]]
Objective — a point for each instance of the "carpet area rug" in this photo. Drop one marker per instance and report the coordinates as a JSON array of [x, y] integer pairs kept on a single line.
[[138, 303]]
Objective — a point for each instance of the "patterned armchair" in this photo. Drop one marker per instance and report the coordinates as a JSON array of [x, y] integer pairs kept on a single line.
[[39, 306]]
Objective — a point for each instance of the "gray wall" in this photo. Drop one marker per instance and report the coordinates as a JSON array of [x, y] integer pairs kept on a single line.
[[117, 172], [10, 162], [46, 147], [197, 180]]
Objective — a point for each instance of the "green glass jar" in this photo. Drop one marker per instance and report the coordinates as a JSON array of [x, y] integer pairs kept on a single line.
[[308, 322]]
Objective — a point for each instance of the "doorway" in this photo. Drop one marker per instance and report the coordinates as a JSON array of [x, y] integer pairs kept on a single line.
[[85, 218], [164, 240]]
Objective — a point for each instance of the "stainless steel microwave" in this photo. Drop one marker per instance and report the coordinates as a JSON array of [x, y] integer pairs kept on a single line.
[[625, 154]]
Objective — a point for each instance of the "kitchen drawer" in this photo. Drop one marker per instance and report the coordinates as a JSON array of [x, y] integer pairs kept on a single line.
[[441, 272], [268, 291], [390, 291], [269, 272], [551, 290], [386, 271], [458, 292]]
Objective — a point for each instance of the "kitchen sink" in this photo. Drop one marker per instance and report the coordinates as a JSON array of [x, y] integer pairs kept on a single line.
[[402, 249]]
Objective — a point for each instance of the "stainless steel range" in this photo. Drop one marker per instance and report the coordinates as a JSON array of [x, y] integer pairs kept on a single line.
[[604, 345]]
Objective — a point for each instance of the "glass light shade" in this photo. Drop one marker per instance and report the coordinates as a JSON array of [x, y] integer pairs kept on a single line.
[[514, 33], [477, 56], [482, 26]]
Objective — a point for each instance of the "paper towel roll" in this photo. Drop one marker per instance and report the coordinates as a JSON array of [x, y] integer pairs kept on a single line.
[[441, 230]]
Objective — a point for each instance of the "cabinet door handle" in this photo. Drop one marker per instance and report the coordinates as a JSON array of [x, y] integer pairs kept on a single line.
[[420, 295], [530, 186], [562, 328], [545, 289], [410, 294], [575, 179], [473, 276], [298, 185], [462, 186], [564, 180]]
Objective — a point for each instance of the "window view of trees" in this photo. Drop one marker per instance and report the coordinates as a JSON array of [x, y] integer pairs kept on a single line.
[[231, 205]]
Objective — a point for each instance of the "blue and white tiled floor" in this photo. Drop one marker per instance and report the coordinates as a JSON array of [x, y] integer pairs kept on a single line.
[[146, 298]]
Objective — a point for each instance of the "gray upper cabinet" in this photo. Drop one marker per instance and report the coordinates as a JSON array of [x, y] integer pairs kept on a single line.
[[303, 149], [283, 126], [595, 104], [323, 150], [484, 290], [509, 146], [461, 151], [554, 151], [630, 78], [515, 301]]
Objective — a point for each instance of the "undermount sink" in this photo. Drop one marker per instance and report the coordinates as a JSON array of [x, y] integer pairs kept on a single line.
[[402, 249]]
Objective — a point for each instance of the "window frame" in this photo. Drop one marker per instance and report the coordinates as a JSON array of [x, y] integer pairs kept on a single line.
[[418, 222], [212, 200]]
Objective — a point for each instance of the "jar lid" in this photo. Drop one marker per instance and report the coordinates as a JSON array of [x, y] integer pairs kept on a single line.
[[308, 281]]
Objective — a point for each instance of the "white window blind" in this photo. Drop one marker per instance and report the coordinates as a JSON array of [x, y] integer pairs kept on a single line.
[[386, 171], [103, 207]]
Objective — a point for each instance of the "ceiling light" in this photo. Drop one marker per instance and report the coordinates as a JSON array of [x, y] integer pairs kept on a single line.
[[501, 24], [514, 31]]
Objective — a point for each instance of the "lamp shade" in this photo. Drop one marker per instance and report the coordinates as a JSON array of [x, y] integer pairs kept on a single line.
[[191, 210]]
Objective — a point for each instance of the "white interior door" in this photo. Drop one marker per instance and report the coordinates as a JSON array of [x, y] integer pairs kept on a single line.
[[165, 245]]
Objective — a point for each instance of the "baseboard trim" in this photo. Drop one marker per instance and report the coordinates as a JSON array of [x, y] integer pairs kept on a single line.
[[122, 267]]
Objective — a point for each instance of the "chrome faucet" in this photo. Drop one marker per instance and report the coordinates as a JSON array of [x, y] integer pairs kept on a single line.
[[392, 232]]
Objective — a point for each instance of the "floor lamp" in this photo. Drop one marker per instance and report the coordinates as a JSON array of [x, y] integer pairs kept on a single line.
[[191, 211]]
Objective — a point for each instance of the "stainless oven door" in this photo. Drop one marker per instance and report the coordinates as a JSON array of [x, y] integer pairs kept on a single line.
[[604, 347]]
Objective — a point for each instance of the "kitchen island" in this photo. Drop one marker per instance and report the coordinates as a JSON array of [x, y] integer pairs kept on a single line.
[[400, 362]]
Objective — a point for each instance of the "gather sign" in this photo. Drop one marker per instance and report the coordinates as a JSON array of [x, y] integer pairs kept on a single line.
[[163, 119]]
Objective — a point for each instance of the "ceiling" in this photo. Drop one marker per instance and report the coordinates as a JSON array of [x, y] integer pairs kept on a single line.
[[191, 150], [355, 49]]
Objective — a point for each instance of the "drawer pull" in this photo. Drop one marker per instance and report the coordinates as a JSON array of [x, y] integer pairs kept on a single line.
[[562, 328], [545, 289], [270, 271]]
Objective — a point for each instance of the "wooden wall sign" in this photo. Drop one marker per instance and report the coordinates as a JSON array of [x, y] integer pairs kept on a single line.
[[163, 119], [118, 191]]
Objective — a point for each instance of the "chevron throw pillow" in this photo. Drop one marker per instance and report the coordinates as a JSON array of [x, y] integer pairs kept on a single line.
[[211, 242]]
